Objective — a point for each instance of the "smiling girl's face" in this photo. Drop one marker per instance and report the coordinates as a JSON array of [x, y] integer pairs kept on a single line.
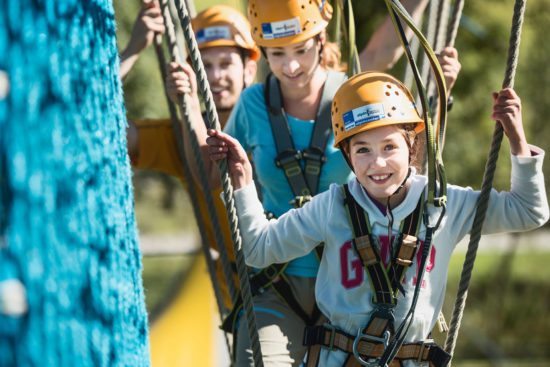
[[294, 65], [380, 160]]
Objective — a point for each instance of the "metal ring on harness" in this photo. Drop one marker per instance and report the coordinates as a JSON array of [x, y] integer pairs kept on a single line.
[[360, 336]]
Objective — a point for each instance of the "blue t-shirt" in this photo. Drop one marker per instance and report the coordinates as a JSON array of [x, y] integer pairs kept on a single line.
[[249, 123]]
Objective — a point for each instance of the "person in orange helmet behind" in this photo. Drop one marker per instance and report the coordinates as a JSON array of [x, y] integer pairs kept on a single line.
[[382, 260], [229, 55]]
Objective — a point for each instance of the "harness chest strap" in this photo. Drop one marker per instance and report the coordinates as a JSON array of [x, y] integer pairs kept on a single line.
[[303, 182]]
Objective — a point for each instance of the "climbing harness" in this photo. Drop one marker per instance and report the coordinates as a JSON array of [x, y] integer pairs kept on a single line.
[[370, 346], [487, 184], [303, 182]]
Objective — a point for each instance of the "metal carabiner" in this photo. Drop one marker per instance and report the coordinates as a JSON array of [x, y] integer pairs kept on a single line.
[[360, 336]]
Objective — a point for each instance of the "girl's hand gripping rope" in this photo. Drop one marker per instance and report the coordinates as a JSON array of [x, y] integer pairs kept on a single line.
[[507, 111], [222, 146]]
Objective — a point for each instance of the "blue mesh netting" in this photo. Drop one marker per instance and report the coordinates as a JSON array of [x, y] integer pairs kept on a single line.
[[67, 228]]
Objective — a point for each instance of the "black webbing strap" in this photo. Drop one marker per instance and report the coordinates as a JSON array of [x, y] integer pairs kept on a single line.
[[302, 182], [386, 282], [258, 282], [270, 276]]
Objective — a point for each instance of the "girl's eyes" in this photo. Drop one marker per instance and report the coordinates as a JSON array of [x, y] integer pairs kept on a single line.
[[389, 147], [363, 150]]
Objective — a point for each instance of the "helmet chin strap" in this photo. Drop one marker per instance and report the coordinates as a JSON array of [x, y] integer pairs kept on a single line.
[[389, 213]]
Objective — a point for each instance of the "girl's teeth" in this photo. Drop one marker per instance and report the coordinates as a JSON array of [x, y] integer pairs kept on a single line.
[[379, 178]]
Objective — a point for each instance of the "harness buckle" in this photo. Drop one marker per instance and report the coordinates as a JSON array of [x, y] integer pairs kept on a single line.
[[373, 362], [332, 329], [287, 156], [315, 158], [314, 154], [423, 344], [300, 201]]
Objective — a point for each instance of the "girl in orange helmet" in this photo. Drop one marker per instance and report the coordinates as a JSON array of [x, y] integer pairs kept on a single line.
[[375, 228], [284, 125]]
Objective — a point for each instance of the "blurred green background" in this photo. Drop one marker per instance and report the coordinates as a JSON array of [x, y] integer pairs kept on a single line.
[[506, 322]]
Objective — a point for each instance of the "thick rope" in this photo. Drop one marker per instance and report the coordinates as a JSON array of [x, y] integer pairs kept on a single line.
[[191, 186], [483, 201], [175, 55], [213, 123]]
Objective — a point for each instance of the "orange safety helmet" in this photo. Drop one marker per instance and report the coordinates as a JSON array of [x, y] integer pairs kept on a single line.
[[221, 25], [277, 23], [369, 100]]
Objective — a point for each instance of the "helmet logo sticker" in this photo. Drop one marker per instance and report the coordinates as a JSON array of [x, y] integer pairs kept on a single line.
[[213, 33], [283, 28], [362, 115]]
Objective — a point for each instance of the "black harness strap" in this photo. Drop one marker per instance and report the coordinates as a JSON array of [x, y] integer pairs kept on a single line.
[[386, 282], [302, 182]]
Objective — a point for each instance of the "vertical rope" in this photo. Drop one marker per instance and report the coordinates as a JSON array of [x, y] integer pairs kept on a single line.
[[213, 123], [437, 43], [454, 23], [191, 186], [483, 200], [175, 55], [430, 36], [408, 76]]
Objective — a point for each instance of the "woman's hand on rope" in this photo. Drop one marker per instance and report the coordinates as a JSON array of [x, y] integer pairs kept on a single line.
[[507, 111], [148, 22], [181, 80], [223, 146], [448, 59]]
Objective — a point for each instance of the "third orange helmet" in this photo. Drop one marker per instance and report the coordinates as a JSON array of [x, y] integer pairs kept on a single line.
[[277, 23], [221, 25]]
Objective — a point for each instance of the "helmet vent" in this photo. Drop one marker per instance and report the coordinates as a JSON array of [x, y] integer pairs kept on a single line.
[[396, 93], [388, 94]]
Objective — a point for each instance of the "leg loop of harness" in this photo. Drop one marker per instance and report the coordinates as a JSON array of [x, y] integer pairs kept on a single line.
[[367, 350], [384, 340]]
